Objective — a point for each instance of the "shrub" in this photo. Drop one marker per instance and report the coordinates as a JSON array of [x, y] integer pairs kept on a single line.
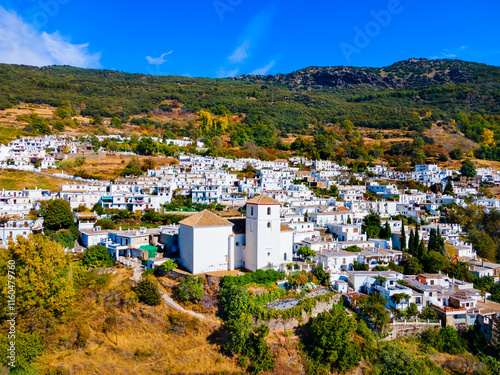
[[148, 292], [58, 215], [97, 256], [168, 266], [28, 347], [445, 340], [191, 288]]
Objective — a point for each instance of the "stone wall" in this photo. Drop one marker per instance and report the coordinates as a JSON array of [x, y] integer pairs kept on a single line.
[[88, 155], [291, 323], [410, 329]]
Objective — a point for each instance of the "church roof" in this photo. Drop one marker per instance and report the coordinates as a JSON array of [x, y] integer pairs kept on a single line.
[[284, 228], [263, 199], [205, 218]]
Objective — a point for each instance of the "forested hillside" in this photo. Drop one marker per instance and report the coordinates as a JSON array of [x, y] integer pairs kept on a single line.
[[410, 96]]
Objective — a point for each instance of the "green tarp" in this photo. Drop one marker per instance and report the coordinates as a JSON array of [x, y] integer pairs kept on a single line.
[[150, 249]]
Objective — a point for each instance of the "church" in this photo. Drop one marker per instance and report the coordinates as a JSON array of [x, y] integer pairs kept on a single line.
[[208, 242]]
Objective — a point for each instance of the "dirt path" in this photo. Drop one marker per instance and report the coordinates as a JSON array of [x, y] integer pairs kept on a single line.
[[170, 302]]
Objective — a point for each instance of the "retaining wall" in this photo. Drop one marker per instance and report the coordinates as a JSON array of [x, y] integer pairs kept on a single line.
[[291, 323]]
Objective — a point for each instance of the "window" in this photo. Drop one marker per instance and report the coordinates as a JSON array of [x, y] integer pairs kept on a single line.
[[284, 257], [269, 254], [269, 224], [269, 210], [251, 210]]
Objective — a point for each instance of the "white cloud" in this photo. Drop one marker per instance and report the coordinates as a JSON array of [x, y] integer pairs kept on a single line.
[[20, 43], [449, 54], [223, 73], [264, 69], [158, 60], [240, 53]]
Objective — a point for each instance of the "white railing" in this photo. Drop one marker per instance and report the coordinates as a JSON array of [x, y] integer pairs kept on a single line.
[[415, 322]]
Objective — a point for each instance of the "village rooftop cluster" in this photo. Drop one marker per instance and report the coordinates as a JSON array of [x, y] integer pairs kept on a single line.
[[282, 209]]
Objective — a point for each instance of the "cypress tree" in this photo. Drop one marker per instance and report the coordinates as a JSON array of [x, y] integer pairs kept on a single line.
[[411, 244], [416, 240], [388, 232], [439, 242], [403, 237], [432, 244], [421, 250]]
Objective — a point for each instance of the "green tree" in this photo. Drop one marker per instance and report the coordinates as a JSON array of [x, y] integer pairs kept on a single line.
[[98, 209], [432, 244], [58, 215], [29, 346], [461, 271], [395, 359], [468, 169], [148, 292], [306, 252], [322, 276], [146, 146], [259, 352], [422, 250], [402, 239], [329, 343], [168, 266], [411, 243], [234, 300], [434, 262], [191, 288], [115, 122], [412, 310], [387, 233], [42, 282], [456, 154], [448, 189], [444, 340], [416, 241], [428, 313], [97, 256], [353, 249], [105, 223], [372, 225], [373, 307], [412, 266], [238, 329], [484, 245]]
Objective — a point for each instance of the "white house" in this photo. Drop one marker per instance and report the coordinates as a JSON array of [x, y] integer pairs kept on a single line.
[[206, 243]]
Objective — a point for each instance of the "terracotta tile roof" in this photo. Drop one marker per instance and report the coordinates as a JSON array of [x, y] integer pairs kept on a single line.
[[205, 218], [341, 208], [284, 228], [263, 199]]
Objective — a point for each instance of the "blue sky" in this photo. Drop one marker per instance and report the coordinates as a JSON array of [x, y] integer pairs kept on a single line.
[[220, 38]]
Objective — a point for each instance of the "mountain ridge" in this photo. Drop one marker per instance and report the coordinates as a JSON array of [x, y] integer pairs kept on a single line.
[[430, 73]]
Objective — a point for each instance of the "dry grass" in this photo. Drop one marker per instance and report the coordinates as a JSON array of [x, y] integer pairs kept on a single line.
[[18, 180], [145, 339], [109, 165], [450, 141], [8, 120]]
